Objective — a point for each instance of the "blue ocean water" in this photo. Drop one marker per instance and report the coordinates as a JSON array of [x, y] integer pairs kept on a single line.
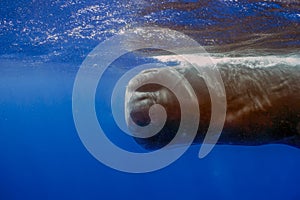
[[43, 43]]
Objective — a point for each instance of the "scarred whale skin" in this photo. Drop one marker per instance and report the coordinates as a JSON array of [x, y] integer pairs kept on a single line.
[[263, 105]]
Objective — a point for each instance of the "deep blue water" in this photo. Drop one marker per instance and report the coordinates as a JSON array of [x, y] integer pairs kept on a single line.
[[42, 44]]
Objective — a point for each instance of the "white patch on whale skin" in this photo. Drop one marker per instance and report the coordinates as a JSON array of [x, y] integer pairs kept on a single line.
[[247, 61]]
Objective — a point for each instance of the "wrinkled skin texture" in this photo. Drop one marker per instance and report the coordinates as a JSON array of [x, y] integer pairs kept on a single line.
[[263, 106]]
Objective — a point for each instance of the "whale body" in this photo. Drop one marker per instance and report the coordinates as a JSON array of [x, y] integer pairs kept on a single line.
[[263, 105]]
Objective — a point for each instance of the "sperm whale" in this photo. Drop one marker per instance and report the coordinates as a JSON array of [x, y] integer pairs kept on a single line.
[[263, 105]]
